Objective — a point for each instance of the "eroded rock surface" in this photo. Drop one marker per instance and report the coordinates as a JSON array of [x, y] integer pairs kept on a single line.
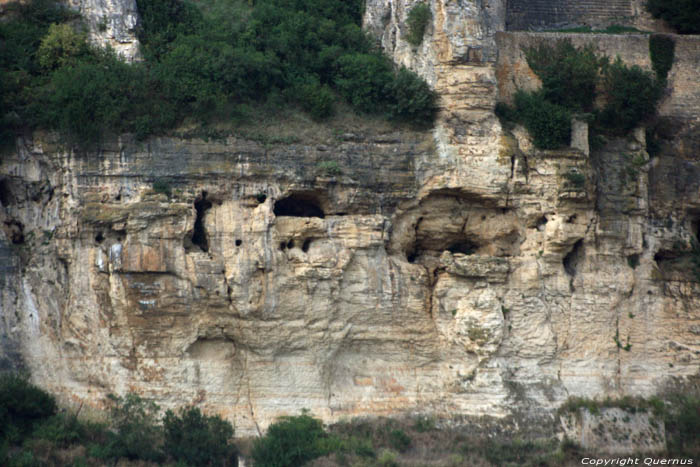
[[460, 272]]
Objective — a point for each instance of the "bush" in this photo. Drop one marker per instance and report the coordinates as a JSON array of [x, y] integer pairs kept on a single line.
[[569, 75], [661, 51], [290, 442], [136, 433], [22, 406], [399, 440], [198, 439], [418, 19], [549, 124], [632, 95], [683, 15], [413, 100]]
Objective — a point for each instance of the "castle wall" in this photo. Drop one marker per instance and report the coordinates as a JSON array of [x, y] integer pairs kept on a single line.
[[522, 15]]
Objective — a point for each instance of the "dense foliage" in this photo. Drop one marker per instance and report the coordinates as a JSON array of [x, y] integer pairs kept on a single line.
[[204, 62], [22, 406], [197, 439], [417, 20], [571, 79], [683, 15], [32, 432]]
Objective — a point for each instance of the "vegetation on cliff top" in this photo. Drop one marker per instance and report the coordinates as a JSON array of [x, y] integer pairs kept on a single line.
[[204, 62], [572, 79]]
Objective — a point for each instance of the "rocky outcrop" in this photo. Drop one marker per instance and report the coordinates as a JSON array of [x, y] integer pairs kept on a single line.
[[111, 23], [459, 272]]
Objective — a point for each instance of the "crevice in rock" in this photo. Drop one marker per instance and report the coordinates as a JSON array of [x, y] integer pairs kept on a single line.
[[465, 247], [99, 238], [573, 258], [199, 234], [299, 205]]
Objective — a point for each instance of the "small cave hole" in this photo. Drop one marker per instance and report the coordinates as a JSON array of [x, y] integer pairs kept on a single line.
[[5, 193], [411, 256], [99, 238], [306, 245], [571, 219], [290, 244], [541, 222], [16, 231], [199, 236], [118, 197], [283, 245], [572, 258], [464, 247], [239, 242], [261, 198], [298, 206]]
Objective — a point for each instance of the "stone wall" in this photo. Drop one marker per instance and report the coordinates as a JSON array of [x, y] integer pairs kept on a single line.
[[541, 14]]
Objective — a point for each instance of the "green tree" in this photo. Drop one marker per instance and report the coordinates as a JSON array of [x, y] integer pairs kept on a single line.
[[198, 439], [290, 442]]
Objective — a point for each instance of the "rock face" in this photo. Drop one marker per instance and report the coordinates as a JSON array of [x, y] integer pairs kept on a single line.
[[456, 272], [111, 23]]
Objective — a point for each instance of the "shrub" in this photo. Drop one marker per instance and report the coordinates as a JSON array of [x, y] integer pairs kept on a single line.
[[569, 75], [576, 180], [399, 440], [136, 433], [418, 19], [22, 406], [329, 168], [290, 442], [683, 15], [162, 186], [198, 439], [661, 51], [549, 124], [632, 95]]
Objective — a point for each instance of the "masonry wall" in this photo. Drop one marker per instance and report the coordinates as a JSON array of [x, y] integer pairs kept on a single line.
[[522, 15]]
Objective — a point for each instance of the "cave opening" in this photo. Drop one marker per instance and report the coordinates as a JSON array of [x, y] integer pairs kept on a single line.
[[306, 245], [5, 193], [298, 205], [99, 238], [572, 258], [199, 235]]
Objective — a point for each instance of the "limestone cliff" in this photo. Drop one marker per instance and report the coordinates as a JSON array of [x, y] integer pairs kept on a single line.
[[460, 272]]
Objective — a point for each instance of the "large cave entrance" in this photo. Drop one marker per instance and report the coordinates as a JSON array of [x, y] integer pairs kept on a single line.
[[299, 205]]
